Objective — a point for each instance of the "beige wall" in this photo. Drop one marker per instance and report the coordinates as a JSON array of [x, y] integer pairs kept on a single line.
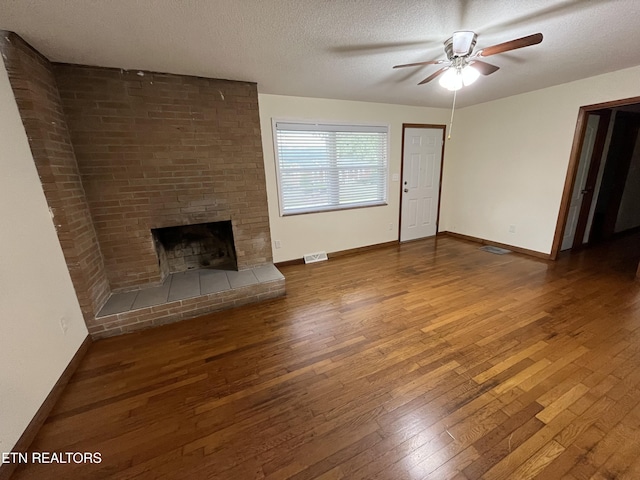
[[35, 287], [346, 229], [507, 161], [505, 165]]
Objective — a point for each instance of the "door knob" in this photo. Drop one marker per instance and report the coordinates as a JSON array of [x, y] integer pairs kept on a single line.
[[406, 190]]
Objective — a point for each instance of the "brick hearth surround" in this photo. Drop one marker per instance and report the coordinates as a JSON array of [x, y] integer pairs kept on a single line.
[[121, 152], [158, 150], [38, 101]]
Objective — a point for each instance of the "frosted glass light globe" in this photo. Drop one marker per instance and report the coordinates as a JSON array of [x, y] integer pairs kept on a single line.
[[451, 79], [469, 75]]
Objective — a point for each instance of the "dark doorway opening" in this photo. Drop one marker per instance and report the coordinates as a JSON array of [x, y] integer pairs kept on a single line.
[[610, 193]]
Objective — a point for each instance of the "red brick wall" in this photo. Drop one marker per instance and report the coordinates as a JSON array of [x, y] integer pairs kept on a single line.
[[34, 87], [158, 150]]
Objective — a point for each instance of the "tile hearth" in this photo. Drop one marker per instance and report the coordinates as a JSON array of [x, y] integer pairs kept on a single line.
[[192, 283], [186, 295]]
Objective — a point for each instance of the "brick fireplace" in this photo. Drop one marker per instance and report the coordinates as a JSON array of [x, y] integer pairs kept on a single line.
[[159, 150], [126, 157]]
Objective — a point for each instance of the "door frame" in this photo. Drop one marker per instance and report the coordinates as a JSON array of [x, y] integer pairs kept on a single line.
[[592, 174], [421, 125], [572, 169]]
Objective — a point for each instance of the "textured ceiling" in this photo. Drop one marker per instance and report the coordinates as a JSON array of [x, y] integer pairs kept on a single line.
[[340, 49]]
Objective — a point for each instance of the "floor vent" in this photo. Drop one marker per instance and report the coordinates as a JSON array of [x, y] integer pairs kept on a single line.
[[315, 257], [496, 250]]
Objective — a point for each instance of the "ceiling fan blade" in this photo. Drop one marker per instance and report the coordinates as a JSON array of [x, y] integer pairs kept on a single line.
[[512, 45], [484, 68], [417, 64], [463, 42], [433, 75]]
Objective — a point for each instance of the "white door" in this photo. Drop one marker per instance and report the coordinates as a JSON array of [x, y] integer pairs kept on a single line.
[[421, 164], [580, 182]]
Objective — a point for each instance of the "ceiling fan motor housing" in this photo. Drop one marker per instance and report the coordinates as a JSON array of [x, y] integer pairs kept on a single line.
[[460, 44]]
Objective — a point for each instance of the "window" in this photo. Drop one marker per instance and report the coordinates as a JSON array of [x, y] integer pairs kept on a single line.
[[330, 167]]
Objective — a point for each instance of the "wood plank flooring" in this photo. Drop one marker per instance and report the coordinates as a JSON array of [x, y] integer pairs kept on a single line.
[[427, 360]]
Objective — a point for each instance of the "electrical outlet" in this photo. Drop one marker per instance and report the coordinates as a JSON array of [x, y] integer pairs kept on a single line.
[[277, 243], [512, 229], [63, 325], [390, 226]]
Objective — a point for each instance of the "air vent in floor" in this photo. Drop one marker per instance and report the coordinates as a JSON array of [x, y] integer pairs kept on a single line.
[[315, 257], [496, 250]]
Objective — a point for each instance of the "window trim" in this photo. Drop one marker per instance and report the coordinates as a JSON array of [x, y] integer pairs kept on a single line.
[[333, 208]]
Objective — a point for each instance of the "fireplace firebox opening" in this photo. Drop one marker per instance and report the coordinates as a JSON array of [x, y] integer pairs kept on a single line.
[[188, 247]]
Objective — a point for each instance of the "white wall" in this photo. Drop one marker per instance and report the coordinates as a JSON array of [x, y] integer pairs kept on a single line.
[[346, 229], [35, 287], [507, 160]]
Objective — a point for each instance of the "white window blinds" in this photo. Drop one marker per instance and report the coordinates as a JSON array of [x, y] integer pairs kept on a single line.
[[330, 167]]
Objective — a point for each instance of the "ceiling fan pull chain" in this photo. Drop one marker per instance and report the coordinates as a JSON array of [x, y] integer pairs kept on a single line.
[[453, 109]]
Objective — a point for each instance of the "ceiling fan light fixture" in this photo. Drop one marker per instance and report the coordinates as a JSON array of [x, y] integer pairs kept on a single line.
[[458, 71], [457, 77], [469, 75], [451, 79]]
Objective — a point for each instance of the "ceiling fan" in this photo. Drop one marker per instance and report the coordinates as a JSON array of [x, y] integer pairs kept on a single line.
[[462, 66]]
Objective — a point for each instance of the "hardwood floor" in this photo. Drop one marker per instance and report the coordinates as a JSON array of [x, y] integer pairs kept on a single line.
[[428, 360]]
